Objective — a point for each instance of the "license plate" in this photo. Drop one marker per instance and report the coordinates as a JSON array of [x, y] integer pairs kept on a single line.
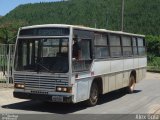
[[57, 98]]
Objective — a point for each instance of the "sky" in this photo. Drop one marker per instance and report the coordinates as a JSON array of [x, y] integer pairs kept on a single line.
[[8, 5]]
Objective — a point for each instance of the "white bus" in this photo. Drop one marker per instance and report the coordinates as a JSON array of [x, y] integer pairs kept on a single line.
[[46, 68]]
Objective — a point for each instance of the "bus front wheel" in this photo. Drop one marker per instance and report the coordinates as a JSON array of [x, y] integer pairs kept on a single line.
[[94, 93]]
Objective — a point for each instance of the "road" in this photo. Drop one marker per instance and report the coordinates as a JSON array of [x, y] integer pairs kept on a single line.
[[144, 100]]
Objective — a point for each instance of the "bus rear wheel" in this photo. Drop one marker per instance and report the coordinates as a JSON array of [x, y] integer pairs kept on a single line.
[[94, 93], [132, 83]]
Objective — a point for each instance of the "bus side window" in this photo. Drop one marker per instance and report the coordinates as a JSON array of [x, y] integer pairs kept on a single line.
[[84, 61], [101, 46], [85, 49], [134, 44], [141, 46], [76, 48], [115, 46], [127, 46]]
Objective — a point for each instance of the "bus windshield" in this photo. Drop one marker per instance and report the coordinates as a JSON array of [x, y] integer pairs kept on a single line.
[[42, 55]]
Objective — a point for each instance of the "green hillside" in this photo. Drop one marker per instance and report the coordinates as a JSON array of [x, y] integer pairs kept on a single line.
[[140, 16]]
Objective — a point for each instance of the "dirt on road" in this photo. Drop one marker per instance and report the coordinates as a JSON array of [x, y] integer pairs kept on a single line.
[[151, 76]]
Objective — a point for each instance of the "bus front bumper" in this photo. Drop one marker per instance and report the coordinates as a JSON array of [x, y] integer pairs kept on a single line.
[[43, 97]]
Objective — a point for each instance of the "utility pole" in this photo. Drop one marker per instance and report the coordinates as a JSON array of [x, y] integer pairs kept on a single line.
[[122, 16], [107, 19], [95, 23]]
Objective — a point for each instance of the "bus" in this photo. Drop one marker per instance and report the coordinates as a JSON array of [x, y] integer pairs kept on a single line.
[[48, 66]]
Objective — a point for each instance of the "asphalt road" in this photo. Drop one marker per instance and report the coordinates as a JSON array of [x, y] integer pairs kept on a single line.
[[144, 100]]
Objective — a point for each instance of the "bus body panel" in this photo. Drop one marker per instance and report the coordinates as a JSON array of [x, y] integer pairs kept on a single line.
[[110, 82], [113, 66], [82, 92]]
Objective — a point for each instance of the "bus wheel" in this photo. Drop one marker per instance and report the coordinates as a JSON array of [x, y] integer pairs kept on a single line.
[[131, 84], [92, 101]]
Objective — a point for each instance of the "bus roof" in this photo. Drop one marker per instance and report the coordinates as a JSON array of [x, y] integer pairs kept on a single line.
[[81, 27]]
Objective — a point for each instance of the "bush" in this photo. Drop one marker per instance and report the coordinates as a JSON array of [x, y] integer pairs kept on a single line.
[[153, 63], [153, 45]]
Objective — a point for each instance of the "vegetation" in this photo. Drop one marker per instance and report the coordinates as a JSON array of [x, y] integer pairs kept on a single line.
[[154, 64], [8, 31], [153, 48], [153, 45], [140, 16]]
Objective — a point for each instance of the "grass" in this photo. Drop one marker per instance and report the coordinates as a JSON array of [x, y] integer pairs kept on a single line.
[[153, 69], [153, 64]]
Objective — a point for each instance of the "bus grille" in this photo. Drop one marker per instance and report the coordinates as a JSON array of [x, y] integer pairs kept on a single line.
[[39, 82]]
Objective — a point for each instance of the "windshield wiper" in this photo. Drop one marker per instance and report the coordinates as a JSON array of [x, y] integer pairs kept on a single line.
[[42, 67]]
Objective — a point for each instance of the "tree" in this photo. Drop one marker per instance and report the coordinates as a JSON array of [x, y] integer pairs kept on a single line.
[[9, 30], [153, 45]]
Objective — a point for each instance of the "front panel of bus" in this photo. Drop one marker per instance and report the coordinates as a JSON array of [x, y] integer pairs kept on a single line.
[[41, 66]]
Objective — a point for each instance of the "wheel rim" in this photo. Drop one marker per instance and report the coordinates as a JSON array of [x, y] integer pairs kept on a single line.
[[132, 83], [94, 94]]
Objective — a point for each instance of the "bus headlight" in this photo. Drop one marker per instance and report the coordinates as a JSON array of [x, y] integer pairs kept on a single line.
[[64, 89], [19, 85]]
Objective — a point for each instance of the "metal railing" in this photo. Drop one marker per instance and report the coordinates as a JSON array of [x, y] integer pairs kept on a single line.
[[6, 63]]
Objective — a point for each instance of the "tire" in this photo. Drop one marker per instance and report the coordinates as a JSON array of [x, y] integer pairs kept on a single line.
[[94, 94], [131, 86]]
